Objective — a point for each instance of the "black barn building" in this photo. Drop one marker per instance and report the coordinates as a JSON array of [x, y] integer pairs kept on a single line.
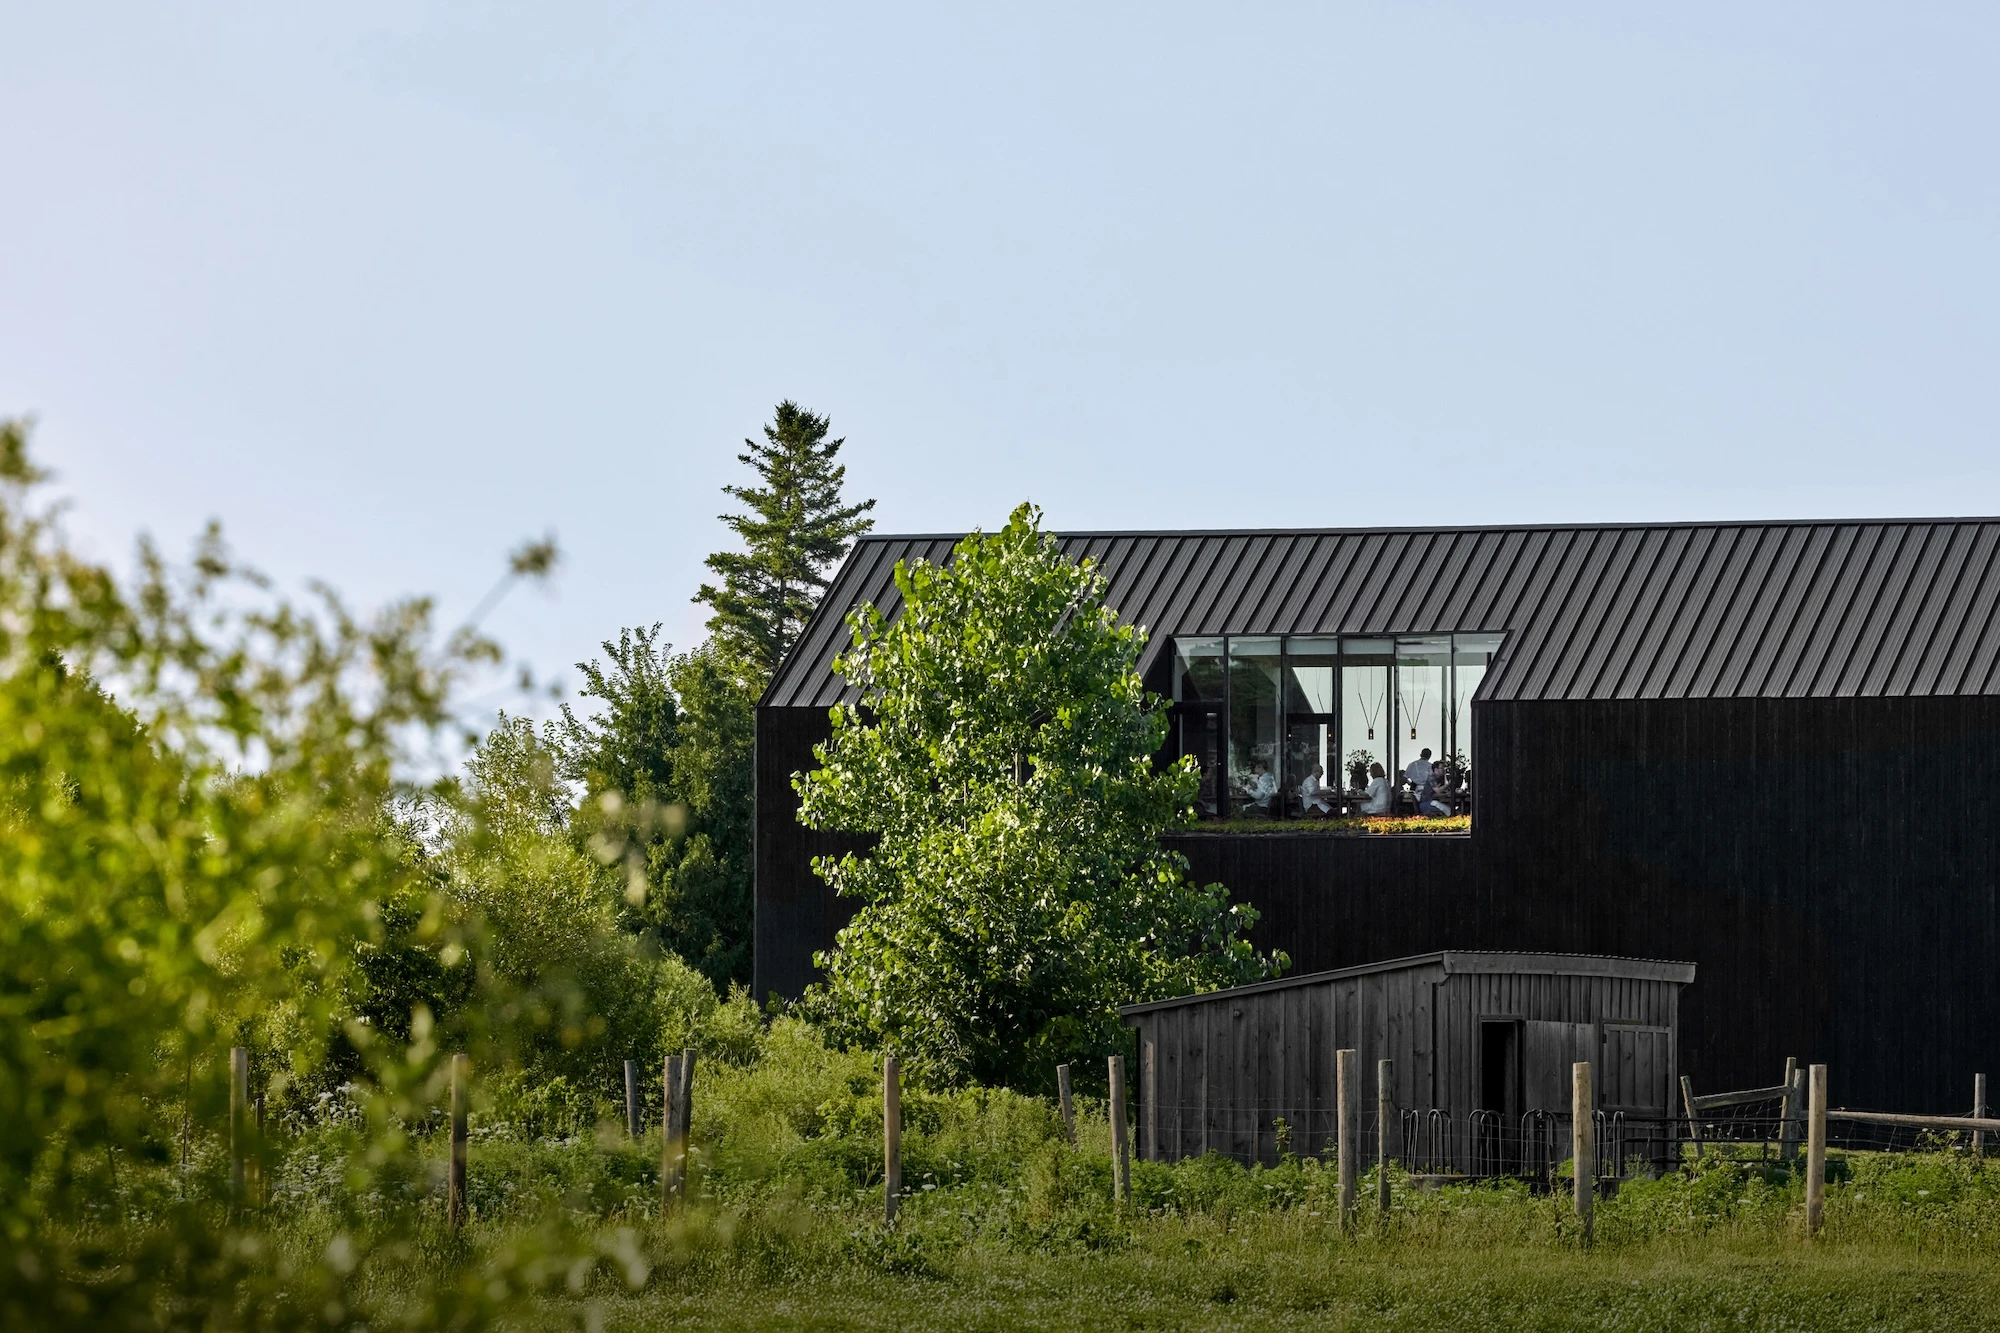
[[1771, 749]]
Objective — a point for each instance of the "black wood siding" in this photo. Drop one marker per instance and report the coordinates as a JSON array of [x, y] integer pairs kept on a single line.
[[796, 915], [1830, 865]]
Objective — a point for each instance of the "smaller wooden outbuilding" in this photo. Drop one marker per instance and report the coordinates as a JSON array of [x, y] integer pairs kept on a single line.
[[1468, 1032]]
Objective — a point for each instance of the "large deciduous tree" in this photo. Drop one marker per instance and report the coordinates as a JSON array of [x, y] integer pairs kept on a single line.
[[1003, 757], [797, 528]]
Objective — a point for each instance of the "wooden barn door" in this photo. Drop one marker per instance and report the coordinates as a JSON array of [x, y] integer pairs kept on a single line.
[[1549, 1051], [1635, 1069]]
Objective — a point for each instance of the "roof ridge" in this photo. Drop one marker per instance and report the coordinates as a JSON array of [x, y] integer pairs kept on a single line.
[[1413, 528]]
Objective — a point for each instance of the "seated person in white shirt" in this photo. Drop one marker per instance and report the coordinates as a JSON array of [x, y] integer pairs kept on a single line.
[[1381, 796], [1263, 786], [1314, 795]]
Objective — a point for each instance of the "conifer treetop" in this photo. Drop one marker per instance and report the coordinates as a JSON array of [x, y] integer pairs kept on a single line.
[[795, 531]]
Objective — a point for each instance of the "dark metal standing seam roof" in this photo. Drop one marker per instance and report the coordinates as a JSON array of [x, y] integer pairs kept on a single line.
[[1665, 611]]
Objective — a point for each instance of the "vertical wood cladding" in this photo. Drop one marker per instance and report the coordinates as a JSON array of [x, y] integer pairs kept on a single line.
[[796, 914], [1830, 864]]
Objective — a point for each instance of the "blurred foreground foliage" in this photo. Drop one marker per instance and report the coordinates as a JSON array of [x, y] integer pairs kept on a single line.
[[205, 842]]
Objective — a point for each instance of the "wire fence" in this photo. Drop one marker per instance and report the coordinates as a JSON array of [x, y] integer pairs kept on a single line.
[[1428, 1142], [1536, 1146]]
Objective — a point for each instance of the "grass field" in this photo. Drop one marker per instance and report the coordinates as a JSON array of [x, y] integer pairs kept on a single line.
[[1501, 1289], [1285, 1272], [1912, 1242]]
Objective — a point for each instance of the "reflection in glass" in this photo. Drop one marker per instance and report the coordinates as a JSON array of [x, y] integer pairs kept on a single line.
[[1365, 713], [1472, 655], [1253, 727], [1311, 744], [1200, 734], [1309, 682], [1311, 686], [1198, 670]]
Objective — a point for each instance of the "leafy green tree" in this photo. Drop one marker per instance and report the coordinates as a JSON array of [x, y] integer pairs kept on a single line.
[[627, 746], [714, 769], [208, 838], [193, 854], [574, 992], [665, 765], [1003, 755], [796, 530]]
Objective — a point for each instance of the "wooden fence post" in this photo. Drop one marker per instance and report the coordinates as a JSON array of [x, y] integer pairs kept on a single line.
[[1067, 1106], [1816, 1150], [1979, 1113], [670, 1078], [1694, 1125], [676, 1114], [1121, 1148], [1149, 1100], [461, 1093], [239, 1126], [1583, 1143], [1789, 1108], [1347, 1109], [631, 1099], [1385, 1111], [262, 1192], [684, 1130], [892, 1139]]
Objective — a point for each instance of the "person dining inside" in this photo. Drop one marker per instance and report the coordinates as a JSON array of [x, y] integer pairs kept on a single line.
[[1381, 795], [1262, 786], [1315, 798]]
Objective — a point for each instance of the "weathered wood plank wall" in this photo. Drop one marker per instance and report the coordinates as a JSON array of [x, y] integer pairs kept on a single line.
[[1233, 1063]]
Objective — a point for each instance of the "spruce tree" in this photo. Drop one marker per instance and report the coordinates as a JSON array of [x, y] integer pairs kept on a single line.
[[795, 531]]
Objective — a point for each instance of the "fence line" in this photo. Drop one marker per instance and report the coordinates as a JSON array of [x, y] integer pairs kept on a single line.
[[1603, 1146]]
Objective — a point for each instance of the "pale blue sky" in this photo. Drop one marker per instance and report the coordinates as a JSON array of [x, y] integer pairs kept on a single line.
[[386, 287]]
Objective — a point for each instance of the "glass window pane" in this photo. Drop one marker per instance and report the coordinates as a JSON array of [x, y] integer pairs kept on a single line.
[[1200, 734], [1198, 670], [1364, 708], [1311, 777], [1422, 707], [1309, 676], [1311, 751], [1253, 727], [1472, 655]]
